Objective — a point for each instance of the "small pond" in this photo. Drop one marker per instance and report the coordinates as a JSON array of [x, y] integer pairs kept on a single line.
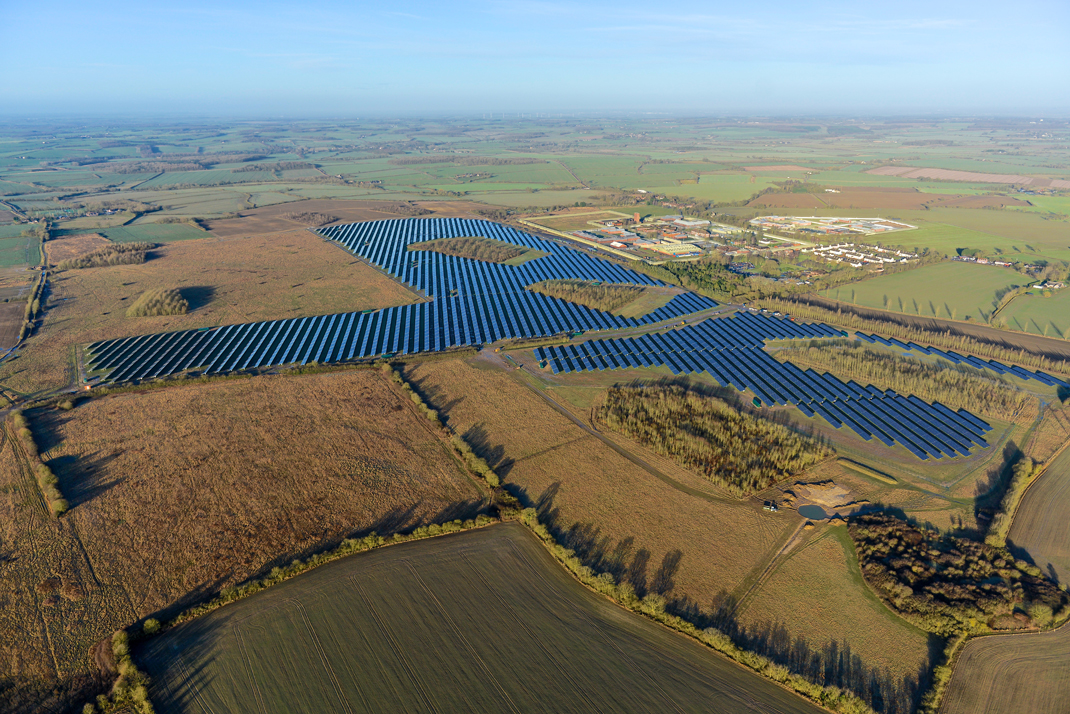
[[814, 513]]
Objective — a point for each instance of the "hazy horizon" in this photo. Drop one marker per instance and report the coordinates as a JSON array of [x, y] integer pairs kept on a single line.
[[269, 60]]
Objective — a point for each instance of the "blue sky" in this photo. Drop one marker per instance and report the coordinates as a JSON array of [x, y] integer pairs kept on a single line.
[[423, 58]]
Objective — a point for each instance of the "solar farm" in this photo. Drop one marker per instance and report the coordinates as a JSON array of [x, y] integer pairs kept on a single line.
[[473, 303]]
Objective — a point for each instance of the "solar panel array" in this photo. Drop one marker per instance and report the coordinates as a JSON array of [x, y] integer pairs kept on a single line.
[[731, 350], [952, 356], [470, 303]]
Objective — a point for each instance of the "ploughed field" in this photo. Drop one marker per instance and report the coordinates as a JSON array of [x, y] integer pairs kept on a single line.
[[479, 621]]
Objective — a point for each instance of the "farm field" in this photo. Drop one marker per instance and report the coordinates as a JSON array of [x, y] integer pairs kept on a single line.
[[816, 592], [950, 290], [180, 492], [1039, 528], [367, 634], [620, 516], [1012, 673], [149, 233], [289, 274], [1048, 316]]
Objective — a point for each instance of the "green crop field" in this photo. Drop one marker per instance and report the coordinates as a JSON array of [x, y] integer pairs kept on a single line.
[[150, 232], [946, 290], [479, 621], [1035, 313]]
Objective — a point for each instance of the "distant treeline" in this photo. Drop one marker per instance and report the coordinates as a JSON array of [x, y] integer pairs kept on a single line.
[[955, 386], [465, 160], [604, 297], [474, 247], [280, 166], [116, 254], [162, 301], [947, 585], [171, 162], [891, 328], [741, 452]]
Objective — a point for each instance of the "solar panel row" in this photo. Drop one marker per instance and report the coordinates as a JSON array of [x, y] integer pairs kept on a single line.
[[472, 303], [732, 351], [952, 356]]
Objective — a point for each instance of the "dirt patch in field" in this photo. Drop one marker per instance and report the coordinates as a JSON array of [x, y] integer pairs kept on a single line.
[[75, 246], [833, 498], [181, 492], [288, 274], [271, 219]]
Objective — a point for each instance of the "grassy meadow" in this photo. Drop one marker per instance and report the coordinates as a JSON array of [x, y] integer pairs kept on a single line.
[[955, 291], [479, 621], [1032, 312]]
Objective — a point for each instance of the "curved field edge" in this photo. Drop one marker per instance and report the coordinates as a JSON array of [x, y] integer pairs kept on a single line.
[[484, 619], [1012, 673]]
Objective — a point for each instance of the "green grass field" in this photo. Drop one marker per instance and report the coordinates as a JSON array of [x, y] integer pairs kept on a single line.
[[152, 233], [479, 621], [947, 290], [1041, 315]]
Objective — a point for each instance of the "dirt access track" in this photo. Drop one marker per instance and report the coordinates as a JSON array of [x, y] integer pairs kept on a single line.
[[272, 219]]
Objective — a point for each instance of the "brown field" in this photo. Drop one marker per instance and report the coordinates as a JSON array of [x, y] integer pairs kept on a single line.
[[881, 198], [789, 168], [1012, 673], [1039, 526], [180, 492], [75, 246], [12, 315], [289, 274], [970, 176], [817, 592], [662, 527], [271, 219], [1051, 434]]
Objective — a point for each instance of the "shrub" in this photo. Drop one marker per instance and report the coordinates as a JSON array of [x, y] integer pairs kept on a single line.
[[152, 625], [162, 301], [735, 450], [604, 297]]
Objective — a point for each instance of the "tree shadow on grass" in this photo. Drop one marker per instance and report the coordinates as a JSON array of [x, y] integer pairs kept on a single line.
[[198, 296], [83, 478]]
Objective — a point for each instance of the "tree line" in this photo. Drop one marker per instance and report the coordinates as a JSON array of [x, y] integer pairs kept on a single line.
[[474, 247], [957, 386], [115, 254], [158, 302], [740, 452], [942, 339], [606, 297]]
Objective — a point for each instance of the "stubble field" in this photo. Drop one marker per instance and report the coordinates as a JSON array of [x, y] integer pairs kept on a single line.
[[179, 492]]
